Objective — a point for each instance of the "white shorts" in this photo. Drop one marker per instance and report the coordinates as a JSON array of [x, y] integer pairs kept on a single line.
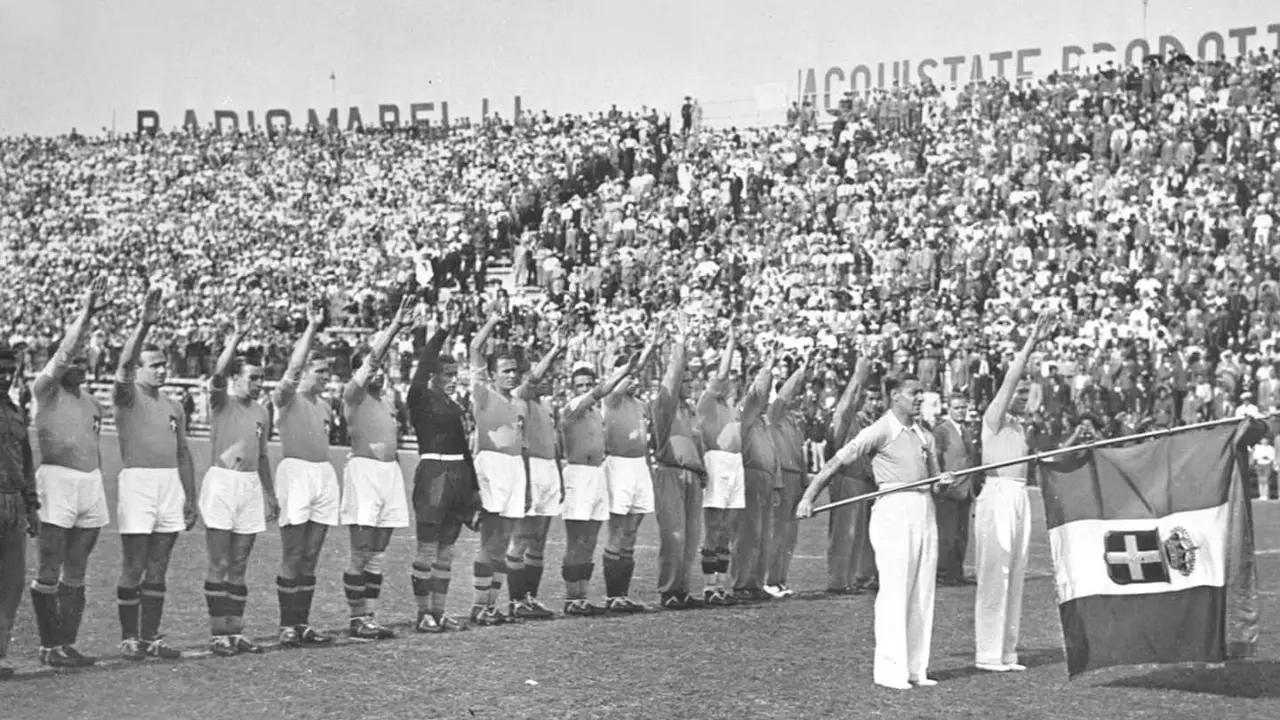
[[544, 487], [150, 501], [373, 494], [232, 500], [70, 498], [725, 481], [307, 492], [586, 493], [630, 485], [502, 483]]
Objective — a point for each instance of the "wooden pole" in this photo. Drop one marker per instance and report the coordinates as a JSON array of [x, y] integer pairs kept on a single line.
[[983, 469]]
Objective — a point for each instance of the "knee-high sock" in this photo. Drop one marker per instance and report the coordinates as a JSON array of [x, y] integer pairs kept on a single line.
[[372, 591], [626, 568], [306, 592], [71, 607], [515, 576], [421, 578], [499, 574], [152, 609], [709, 577], [44, 600], [215, 597], [127, 602], [577, 579], [613, 584], [440, 575], [237, 598], [287, 592], [532, 572], [483, 573], [353, 586]]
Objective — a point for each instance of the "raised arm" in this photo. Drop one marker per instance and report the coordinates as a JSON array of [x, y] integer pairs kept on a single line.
[[787, 395], [373, 360], [427, 357], [127, 370], [726, 362], [994, 416], [73, 340], [847, 407], [478, 342], [539, 371], [222, 368], [668, 400], [288, 384], [757, 399]]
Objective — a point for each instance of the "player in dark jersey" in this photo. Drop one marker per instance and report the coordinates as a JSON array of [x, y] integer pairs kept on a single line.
[[445, 493], [73, 506]]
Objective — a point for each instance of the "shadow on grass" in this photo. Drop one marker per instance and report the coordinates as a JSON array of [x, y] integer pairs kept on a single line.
[[1245, 679], [1031, 658]]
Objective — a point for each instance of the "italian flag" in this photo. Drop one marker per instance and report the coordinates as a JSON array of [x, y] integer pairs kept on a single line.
[[1153, 549]]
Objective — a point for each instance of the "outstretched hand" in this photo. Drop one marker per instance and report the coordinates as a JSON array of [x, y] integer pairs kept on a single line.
[[94, 301], [151, 306]]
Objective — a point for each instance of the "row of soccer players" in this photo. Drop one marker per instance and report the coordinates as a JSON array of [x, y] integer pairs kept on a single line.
[[587, 462]]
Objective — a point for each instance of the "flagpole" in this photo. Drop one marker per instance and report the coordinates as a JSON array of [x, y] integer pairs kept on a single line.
[[1038, 457]]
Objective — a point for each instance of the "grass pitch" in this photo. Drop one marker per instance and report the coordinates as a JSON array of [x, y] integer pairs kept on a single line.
[[807, 657]]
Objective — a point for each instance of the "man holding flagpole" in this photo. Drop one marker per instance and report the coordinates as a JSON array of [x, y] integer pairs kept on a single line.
[[1002, 521], [903, 531]]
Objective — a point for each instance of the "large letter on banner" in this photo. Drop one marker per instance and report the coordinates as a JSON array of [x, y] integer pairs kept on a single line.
[[1153, 550]]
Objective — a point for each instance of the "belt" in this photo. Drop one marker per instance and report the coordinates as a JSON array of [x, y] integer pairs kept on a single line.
[[682, 468], [442, 457], [993, 476], [894, 486]]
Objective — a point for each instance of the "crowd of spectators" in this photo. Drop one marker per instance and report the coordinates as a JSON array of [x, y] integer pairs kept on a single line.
[[922, 226]]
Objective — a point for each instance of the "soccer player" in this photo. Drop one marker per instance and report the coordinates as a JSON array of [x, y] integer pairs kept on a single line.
[[851, 561], [157, 486], [787, 426], [237, 497], [529, 538], [626, 470], [678, 478], [749, 560], [305, 481], [499, 402], [19, 503], [444, 484], [586, 487], [73, 506], [373, 492], [903, 530], [1002, 521], [724, 496]]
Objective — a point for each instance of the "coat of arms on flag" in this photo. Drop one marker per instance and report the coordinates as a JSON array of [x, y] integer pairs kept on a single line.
[[1153, 549]]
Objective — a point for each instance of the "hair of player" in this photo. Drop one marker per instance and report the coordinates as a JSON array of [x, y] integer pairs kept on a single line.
[[151, 347], [893, 383], [957, 396], [501, 355]]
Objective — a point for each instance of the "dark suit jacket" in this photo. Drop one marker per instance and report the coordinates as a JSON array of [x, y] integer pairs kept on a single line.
[[955, 452]]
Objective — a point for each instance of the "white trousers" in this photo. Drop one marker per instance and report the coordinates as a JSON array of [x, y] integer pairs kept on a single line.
[[904, 534], [1002, 536]]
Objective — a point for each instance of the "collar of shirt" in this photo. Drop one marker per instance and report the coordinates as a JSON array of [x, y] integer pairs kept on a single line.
[[896, 427]]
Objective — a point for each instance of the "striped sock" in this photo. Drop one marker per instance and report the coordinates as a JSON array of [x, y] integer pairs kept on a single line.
[[372, 591], [440, 574], [127, 602], [420, 577], [44, 600], [585, 571], [287, 592], [709, 579], [215, 597], [499, 575], [353, 586], [515, 577], [152, 609], [533, 573], [237, 598], [483, 573], [306, 593]]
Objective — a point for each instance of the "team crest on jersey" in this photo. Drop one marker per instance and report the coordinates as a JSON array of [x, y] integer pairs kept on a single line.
[[97, 424], [257, 429], [173, 424], [1179, 551]]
